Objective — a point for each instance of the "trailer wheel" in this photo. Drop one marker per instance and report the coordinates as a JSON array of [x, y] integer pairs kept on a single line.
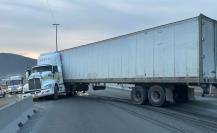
[[156, 96], [139, 95], [56, 92]]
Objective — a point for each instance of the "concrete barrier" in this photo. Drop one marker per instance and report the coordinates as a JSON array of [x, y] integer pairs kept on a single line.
[[14, 115]]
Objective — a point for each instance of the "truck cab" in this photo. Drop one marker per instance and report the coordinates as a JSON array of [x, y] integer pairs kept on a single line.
[[15, 84], [46, 78]]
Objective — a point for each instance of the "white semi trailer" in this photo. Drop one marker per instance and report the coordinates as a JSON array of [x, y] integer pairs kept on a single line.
[[161, 62]]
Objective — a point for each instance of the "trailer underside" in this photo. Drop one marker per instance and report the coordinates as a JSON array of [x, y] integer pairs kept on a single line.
[[168, 80], [194, 80], [156, 91]]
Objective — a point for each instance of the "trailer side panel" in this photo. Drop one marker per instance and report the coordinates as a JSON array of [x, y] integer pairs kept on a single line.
[[170, 51]]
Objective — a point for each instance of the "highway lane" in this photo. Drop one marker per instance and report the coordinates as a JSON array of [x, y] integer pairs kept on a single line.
[[89, 113], [8, 99]]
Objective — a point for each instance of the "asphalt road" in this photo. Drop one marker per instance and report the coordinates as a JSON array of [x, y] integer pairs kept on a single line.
[[96, 112], [8, 99]]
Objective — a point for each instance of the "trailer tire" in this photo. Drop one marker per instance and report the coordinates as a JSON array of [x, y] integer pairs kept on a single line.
[[157, 96], [56, 92], [139, 95]]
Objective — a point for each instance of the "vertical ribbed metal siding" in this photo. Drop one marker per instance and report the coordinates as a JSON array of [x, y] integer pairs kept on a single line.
[[167, 51], [208, 48]]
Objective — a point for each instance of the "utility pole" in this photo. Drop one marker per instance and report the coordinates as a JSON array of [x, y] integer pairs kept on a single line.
[[56, 35]]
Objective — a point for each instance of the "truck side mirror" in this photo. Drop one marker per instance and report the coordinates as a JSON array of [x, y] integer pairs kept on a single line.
[[27, 73]]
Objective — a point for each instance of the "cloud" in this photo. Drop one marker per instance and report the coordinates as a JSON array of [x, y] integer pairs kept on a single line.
[[25, 26]]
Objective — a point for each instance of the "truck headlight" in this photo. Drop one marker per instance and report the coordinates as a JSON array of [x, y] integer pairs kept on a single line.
[[49, 86]]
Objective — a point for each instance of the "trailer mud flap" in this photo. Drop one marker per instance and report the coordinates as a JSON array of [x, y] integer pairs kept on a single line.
[[169, 95], [191, 94]]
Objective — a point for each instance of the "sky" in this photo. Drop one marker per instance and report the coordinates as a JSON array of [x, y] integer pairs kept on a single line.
[[26, 25]]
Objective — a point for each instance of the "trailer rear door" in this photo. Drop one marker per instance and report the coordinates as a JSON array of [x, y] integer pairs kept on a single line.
[[208, 48]]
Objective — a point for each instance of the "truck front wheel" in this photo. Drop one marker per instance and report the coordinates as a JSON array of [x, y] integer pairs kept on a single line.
[[139, 95], [157, 96], [56, 92]]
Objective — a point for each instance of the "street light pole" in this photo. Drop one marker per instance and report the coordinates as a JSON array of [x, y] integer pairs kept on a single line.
[[56, 36]]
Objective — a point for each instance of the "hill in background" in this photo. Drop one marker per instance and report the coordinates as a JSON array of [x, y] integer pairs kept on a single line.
[[12, 64]]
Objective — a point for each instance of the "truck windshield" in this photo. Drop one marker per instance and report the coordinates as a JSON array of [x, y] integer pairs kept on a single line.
[[42, 69], [15, 82]]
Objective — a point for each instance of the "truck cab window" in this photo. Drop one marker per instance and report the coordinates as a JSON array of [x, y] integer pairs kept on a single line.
[[42, 68]]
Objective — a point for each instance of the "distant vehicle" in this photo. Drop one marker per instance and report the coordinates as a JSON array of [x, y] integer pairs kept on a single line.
[[161, 62], [15, 84], [4, 84], [2, 92]]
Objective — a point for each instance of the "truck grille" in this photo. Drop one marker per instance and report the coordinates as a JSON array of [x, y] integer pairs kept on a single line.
[[34, 84]]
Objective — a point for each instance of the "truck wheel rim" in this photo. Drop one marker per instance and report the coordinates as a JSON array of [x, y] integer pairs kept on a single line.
[[137, 96], [155, 96]]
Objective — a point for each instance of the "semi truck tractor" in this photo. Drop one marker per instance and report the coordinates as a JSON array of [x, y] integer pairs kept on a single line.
[[162, 62]]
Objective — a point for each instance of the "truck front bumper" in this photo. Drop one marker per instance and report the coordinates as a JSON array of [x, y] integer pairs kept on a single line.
[[14, 91], [42, 93]]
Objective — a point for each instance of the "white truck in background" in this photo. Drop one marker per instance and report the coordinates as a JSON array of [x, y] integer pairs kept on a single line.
[[161, 62], [15, 84]]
